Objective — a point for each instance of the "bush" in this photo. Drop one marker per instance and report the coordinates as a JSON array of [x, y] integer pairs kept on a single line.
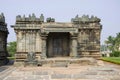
[[115, 54], [11, 47], [103, 55]]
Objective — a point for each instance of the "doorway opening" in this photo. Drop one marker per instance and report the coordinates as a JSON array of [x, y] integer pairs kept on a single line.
[[58, 44]]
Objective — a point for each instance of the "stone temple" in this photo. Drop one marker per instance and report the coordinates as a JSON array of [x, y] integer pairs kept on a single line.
[[76, 39], [3, 40]]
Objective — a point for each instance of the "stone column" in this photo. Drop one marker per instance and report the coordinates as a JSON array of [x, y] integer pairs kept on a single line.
[[34, 40], [37, 42], [73, 46], [17, 35], [44, 39]]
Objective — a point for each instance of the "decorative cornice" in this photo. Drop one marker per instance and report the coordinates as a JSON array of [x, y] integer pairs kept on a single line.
[[85, 19]]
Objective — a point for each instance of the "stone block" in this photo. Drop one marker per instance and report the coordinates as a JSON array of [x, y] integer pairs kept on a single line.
[[61, 76]]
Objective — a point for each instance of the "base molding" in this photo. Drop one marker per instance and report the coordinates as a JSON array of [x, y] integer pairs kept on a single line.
[[61, 62]]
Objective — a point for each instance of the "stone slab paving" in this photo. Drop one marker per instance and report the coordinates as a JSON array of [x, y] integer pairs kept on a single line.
[[2, 68], [5, 71], [103, 71]]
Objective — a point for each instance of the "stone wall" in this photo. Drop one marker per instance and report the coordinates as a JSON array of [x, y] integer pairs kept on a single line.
[[28, 41], [89, 30], [3, 40], [28, 35]]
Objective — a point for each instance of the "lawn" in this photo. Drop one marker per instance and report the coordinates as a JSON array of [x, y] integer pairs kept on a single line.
[[115, 60]]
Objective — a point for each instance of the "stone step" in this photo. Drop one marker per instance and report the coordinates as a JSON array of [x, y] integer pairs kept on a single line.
[[92, 56], [59, 64]]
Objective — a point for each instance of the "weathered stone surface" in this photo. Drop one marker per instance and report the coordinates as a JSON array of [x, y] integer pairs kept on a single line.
[[31, 59], [87, 72], [84, 72], [41, 73], [78, 76], [84, 19], [60, 76], [79, 38], [2, 18], [42, 18], [3, 40], [60, 64]]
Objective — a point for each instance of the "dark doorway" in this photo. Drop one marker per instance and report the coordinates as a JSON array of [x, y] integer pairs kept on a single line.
[[58, 44]]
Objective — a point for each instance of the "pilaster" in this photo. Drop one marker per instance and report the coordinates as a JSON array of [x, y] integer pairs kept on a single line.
[[74, 45], [44, 48]]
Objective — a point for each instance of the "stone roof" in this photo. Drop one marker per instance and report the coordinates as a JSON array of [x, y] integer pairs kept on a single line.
[[23, 21], [30, 18], [84, 19]]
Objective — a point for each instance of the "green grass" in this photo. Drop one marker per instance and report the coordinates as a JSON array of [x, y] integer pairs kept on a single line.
[[11, 58], [115, 60]]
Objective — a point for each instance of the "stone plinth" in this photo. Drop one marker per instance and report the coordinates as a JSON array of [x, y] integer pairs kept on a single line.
[[67, 62]]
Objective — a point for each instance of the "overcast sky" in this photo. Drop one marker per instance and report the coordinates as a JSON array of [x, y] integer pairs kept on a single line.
[[63, 10]]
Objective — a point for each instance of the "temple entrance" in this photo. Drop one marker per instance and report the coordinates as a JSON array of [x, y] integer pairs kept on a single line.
[[58, 44]]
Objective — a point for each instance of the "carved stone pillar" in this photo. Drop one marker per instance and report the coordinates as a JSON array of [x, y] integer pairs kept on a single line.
[[73, 45], [44, 48]]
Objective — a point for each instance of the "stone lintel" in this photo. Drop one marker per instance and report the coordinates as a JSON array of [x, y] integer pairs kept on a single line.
[[59, 29], [15, 27]]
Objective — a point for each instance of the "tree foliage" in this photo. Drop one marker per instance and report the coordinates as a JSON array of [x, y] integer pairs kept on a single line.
[[11, 47], [113, 43], [103, 48], [110, 43]]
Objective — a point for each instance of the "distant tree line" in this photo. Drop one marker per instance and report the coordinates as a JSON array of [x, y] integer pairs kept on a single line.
[[113, 44]]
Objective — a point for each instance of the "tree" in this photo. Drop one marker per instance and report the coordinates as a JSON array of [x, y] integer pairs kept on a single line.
[[103, 48], [113, 44], [110, 43], [11, 47], [117, 42]]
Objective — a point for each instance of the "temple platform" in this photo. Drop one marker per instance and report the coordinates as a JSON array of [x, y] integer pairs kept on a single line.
[[65, 62]]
